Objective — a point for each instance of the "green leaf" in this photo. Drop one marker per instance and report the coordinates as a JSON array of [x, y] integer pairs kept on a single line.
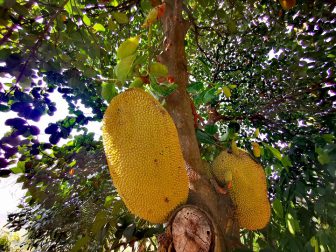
[[286, 162], [108, 91], [323, 156], [108, 201], [292, 224], [329, 138], [314, 243], [120, 17], [277, 207], [128, 47], [73, 8], [68, 7], [203, 137], [99, 27], [274, 151], [209, 95], [20, 167], [211, 129], [137, 82], [124, 67], [72, 164], [195, 87], [118, 206], [112, 25], [80, 244], [158, 70], [4, 108], [226, 91], [86, 20], [99, 221], [162, 89]]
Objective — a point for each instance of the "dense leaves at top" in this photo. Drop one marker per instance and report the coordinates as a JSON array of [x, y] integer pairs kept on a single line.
[[236, 84]]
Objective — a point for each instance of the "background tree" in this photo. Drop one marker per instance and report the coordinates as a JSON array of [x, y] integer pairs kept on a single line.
[[218, 54]]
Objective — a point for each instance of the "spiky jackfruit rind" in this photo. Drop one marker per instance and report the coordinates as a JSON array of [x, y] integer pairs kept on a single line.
[[144, 155], [249, 189]]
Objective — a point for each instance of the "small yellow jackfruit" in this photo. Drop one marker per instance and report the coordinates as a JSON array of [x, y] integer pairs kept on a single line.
[[144, 155], [249, 190], [256, 149]]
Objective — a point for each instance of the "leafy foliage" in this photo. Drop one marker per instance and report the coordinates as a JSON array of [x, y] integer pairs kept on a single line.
[[236, 84]]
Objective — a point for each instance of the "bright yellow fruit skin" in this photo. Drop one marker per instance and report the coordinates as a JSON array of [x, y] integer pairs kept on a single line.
[[249, 190], [144, 155]]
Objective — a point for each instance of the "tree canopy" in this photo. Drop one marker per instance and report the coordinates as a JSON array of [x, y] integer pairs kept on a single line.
[[257, 73]]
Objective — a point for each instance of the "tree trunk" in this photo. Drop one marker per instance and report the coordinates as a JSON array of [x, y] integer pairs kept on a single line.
[[213, 211]]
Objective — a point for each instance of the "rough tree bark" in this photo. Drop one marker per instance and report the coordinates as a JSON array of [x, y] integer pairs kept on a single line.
[[188, 228]]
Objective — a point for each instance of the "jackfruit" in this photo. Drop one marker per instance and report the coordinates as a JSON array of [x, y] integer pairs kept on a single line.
[[249, 190], [144, 155]]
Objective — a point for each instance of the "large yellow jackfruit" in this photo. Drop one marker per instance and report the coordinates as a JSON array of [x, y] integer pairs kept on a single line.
[[249, 190], [144, 155]]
